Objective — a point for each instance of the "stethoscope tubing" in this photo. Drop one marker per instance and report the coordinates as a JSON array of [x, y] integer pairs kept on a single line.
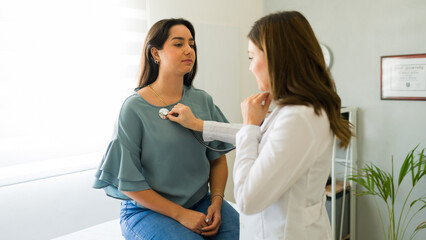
[[207, 146]]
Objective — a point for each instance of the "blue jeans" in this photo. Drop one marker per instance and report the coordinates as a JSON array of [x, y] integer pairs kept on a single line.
[[144, 224]]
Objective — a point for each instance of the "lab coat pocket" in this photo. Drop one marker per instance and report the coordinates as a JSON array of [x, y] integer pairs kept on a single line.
[[312, 213]]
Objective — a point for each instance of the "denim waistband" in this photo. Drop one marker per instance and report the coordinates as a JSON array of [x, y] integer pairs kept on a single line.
[[132, 204]]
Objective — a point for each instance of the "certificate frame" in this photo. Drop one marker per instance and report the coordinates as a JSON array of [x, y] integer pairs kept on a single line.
[[403, 77]]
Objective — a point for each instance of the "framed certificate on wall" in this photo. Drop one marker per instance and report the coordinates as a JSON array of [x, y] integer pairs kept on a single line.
[[403, 77]]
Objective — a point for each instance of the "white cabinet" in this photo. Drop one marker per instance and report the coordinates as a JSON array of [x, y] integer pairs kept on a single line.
[[343, 164]]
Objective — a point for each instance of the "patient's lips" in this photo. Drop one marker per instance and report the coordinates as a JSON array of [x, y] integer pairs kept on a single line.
[[188, 61]]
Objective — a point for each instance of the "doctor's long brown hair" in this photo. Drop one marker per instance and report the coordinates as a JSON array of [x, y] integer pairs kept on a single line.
[[297, 71]]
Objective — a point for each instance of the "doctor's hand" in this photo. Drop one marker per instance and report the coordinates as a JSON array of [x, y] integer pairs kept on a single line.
[[183, 115], [254, 108]]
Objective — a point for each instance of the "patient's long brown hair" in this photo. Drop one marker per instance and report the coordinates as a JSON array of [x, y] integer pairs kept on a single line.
[[297, 70], [156, 36]]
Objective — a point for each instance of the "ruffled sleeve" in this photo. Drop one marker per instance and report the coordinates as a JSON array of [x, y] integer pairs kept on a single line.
[[120, 168]]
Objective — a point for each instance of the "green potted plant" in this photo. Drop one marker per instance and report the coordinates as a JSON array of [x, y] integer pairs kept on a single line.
[[385, 186]]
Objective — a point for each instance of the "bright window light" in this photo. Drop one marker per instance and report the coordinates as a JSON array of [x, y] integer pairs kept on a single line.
[[65, 68]]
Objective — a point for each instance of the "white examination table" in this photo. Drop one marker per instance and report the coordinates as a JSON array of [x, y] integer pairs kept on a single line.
[[106, 231]]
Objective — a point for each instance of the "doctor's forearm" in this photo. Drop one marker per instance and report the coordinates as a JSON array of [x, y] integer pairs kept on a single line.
[[221, 131]]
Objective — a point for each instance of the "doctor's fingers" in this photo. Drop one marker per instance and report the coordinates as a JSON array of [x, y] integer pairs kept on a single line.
[[256, 99], [261, 97], [250, 99], [182, 110], [262, 100], [267, 100], [254, 96], [177, 107]]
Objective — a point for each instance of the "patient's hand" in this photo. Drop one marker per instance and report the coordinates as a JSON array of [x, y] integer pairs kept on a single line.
[[193, 220], [214, 218], [183, 115]]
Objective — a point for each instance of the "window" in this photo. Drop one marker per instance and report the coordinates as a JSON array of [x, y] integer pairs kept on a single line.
[[65, 68]]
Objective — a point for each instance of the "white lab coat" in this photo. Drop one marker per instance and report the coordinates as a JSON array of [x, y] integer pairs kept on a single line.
[[280, 173]]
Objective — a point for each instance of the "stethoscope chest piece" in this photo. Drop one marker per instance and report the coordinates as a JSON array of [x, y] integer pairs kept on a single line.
[[163, 113]]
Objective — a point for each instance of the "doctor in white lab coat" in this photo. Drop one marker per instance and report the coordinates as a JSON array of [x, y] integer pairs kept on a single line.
[[282, 161]]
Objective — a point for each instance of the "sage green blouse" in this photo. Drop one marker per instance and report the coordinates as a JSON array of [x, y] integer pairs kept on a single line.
[[147, 152]]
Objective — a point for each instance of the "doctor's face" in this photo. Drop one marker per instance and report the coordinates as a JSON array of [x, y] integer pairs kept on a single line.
[[258, 66]]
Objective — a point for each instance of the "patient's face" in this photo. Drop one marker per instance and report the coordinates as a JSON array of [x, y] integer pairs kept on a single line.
[[258, 66]]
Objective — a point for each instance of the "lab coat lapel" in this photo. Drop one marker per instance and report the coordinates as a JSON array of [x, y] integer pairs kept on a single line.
[[268, 120]]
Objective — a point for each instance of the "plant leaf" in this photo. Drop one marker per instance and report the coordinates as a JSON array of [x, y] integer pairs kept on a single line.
[[418, 166], [424, 206], [380, 183], [412, 168], [417, 200], [404, 168], [421, 226]]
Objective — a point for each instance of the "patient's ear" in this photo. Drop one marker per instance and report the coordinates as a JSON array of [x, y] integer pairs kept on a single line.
[[154, 53]]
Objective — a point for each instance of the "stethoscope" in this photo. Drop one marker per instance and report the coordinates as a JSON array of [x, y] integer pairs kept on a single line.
[[163, 112]]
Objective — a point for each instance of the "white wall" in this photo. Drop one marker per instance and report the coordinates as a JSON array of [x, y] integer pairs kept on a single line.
[[221, 28], [358, 34]]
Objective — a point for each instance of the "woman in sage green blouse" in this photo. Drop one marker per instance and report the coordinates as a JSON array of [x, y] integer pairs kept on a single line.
[[156, 166]]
